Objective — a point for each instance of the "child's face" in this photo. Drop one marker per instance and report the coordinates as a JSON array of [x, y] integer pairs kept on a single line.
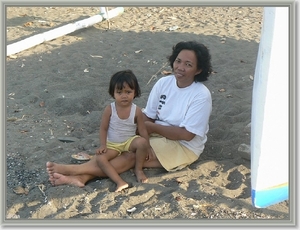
[[124, 96]]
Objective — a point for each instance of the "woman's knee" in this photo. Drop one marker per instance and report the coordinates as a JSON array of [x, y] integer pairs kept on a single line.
[[129, 156], [101, 158]]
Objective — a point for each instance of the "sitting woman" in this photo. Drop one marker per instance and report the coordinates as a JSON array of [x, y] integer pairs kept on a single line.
[[176, 117]]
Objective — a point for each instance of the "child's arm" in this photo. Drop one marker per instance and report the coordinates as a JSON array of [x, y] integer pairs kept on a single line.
[[103, 129], [141, 127]]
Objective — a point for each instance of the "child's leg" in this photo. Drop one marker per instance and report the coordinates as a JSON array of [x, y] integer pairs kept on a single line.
[[109, 170], [141, 147]]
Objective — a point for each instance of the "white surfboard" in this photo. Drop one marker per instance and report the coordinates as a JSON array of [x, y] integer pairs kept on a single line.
[[270, 112]]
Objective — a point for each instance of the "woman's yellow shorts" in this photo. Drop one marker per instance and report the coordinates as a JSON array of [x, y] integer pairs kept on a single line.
[[171, 154]]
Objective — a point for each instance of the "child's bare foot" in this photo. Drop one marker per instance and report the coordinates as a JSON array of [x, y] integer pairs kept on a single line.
[[140, 176], [122, 186], [59, 179]]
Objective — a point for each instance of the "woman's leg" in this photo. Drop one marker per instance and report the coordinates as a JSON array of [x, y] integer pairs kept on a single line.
[[87, 171], [60, 179], [89, 167]]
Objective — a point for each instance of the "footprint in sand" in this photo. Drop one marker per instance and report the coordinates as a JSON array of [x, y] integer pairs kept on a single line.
[[239, 184]]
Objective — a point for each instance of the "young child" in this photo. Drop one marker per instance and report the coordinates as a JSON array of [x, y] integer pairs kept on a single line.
[[120, 121]]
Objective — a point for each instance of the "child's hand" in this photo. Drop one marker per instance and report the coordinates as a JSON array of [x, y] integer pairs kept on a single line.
[[101, 150], [151, 155]]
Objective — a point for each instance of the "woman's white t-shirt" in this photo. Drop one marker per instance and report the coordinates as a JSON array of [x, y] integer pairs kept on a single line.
[[188, 107]]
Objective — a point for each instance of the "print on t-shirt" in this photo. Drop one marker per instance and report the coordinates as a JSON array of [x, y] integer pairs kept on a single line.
[[161, 103]]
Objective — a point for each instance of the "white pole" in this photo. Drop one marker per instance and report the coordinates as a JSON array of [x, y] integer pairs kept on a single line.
[[60, 31], [111, 13]]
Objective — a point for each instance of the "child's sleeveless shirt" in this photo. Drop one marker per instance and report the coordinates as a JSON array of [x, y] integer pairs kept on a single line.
[[120, 130]]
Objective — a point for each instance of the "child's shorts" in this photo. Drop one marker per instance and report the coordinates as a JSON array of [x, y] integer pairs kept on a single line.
[[121, 147]]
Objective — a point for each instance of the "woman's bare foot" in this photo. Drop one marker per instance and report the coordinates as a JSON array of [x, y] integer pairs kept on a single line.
[[52, 168], [61, 168], [140, 176], [60, 179]]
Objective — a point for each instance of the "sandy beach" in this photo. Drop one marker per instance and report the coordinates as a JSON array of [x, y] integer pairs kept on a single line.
[[58, 89]]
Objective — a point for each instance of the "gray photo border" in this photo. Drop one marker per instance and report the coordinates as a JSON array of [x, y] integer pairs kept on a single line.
[[154, 223]]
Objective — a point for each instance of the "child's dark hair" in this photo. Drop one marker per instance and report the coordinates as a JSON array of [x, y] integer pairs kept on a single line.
[[125, 76], [202, 55]]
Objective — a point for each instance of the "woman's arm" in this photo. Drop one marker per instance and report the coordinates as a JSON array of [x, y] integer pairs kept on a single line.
[[141, 127], [147, 118], [170, 132]]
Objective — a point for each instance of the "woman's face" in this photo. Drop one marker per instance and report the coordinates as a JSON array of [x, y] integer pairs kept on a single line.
[[185, 68]]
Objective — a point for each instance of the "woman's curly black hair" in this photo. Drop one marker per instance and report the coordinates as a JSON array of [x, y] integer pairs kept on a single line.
[[202, 55]]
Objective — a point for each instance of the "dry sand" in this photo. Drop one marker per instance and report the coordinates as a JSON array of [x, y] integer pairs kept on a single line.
[[59, 89]]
